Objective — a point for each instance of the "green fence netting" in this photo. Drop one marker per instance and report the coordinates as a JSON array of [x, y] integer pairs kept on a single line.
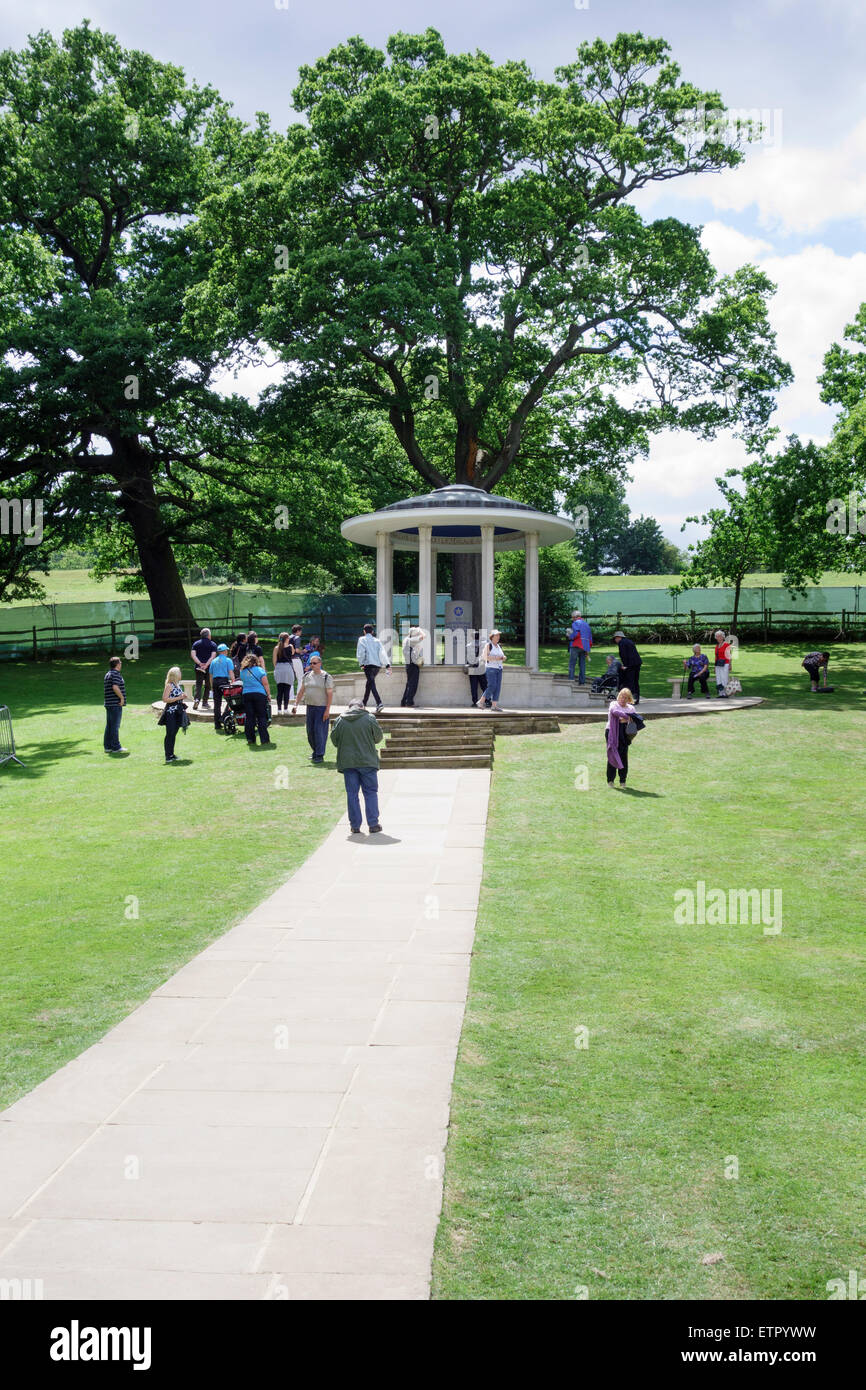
[[97, 625]]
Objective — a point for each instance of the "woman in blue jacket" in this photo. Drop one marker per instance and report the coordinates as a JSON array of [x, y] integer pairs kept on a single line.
[[257, 699]]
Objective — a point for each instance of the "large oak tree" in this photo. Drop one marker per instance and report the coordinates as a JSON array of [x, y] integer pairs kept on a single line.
[[455, 240]]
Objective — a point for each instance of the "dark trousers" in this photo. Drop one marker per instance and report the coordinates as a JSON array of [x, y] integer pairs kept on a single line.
[[256, 716], [219, 685], [629, 679], [478, 685], [317, 731], [111, 737], [690, 689], [202, 679], [412, 674], [366, 781], [173, 718], [622, 747], [371, 672], [284, 691]]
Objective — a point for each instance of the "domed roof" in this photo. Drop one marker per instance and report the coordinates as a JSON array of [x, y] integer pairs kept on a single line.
[[458, 495], [455, 515]]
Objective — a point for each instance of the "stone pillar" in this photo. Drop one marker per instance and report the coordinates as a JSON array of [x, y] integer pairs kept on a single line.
[[427, 591], [531, 600], [384, 587], [487, 608]]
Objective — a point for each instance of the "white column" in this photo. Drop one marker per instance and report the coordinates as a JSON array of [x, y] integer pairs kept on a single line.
[[487, 614], [384, 585], [427, 591], [531, 600]]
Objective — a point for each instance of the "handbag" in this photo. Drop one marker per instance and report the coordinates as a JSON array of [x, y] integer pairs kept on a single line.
[[733, 687], [634, 726]]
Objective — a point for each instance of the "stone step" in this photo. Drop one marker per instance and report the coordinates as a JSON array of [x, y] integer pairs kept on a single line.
[[455, 760], [439, 740]]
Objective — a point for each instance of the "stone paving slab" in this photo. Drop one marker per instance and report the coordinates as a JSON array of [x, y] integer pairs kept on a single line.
[[271, 1122]]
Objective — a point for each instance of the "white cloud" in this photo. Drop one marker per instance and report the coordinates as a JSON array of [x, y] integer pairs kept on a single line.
[[794, 188], [818, 293]]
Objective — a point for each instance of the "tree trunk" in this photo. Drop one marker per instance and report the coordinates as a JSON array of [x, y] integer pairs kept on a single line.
[[737, 587], [466, 582], [172, 616]]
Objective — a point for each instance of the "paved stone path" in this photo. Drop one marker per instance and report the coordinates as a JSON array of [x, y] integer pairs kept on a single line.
[[271, 1123]]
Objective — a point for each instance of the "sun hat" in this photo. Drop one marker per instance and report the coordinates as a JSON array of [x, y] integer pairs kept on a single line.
[[222, 647], [618, 634]]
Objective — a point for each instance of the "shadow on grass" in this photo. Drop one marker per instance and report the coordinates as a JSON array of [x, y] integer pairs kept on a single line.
[[635, 791], [38, 757]]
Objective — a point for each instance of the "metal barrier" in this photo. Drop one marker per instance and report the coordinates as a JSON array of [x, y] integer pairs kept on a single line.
[[7, 738]]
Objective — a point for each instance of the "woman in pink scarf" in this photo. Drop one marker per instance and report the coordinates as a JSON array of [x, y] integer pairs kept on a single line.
[[620, 712]]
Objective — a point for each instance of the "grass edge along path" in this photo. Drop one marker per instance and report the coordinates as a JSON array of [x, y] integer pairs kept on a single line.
[[123, 868], [649, 1110]]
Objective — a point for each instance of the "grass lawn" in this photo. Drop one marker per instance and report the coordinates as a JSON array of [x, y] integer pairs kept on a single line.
[[198, 843], [751, 581], [711, 1050], [598, 1167], [76, 586]]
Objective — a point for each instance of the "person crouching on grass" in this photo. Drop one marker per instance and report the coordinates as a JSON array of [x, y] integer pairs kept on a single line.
[[355, 735], [620, 711], [813, 663]]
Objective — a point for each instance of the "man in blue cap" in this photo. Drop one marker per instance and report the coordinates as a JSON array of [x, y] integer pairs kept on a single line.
[[222, 673]]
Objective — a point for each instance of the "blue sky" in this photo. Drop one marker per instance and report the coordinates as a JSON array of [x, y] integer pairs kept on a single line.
[[797, 209]]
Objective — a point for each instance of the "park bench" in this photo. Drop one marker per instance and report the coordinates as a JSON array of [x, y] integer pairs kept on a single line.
[[677, 686]]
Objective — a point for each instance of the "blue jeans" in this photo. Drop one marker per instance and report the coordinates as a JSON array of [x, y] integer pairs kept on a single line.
[[494, 683], [317, 732], [111, 737], [365, 779], [576, 654]]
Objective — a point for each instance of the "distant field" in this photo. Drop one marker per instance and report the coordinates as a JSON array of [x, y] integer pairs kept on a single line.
[[752, 581], [76, 586]]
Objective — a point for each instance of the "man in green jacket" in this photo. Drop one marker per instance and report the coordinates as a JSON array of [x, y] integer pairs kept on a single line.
[[355, 735]]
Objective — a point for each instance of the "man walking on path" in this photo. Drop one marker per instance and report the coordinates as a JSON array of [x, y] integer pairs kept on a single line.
[[317, 692], [355, 736], [114, 699], [203, 652], [372, 657], [629, 672], [579, 645]]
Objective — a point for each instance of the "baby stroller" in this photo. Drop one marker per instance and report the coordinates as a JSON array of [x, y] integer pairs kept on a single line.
[[608, 683], [233, 715]]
